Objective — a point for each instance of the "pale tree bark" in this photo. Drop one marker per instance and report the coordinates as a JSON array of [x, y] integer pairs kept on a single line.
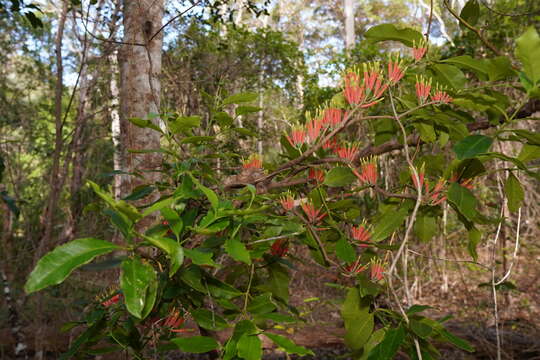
[[348, 7], [140, 68], [118, 154]]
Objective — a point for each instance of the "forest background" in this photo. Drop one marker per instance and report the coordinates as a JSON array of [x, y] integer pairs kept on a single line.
[[85, 87]]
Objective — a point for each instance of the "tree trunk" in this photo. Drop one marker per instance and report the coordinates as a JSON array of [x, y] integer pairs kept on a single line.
[[349, 24], [140, 67], [118, 158]]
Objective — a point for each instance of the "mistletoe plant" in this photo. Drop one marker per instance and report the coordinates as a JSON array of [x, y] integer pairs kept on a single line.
[[218, 253]]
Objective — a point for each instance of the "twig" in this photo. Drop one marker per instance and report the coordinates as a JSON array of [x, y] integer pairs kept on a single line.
[[448, 260], [516, 248]]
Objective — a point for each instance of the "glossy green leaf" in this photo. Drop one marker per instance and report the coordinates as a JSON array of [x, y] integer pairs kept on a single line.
[[425, 227], [339, 176], [174, 251], [288, 345], [223, 119], [470, 13], [261, 304], [139, 192], [463, 199], [449, 75], [240, 98], [528, 153], [135, 279], [56, 265], [249, 347], [144, 123], [182, 124], [237, 250], [499, 68], [472, 146], [199, 257], [344, 251], [406, 36], [279, 281], [196, 344], [420, 328], [528, 52], [467, 62], [373, 341], [210, 194], [387, 349], [416, 309], [209, 320], [389, 222], [158, 205], [514, 193], [359, 322], [475, 236], [243, 110], [460, 343]]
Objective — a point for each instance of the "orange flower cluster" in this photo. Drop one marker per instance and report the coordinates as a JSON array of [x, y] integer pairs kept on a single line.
[[253, 162]]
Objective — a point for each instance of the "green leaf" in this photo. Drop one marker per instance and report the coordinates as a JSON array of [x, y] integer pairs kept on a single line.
[[427, 131], [359, 322], [199, 257], [210, 194], [475, 236], [209, 320], [223, 119], [528, 52], [499, 68], [344, 251], [144, 123], [182, 124], [471, 146], [529, 152], [249, 347], [139, 192], [470, 13], [135, 279], [460, 343], [197, 139], [373, 341], [416, 309], [425, 227], [150, 298], [56, 266], [339, 176], [237, 250], [243, 110], [261, 304], [463, 199], [390, 220], [158, 205], [174, 251], [420, 328], [533, 138], [387, 349], [196, 344], [240, 98], [288, 345], [449, 75], [279, 281], [480, 67], [514, 193], [384, 32]]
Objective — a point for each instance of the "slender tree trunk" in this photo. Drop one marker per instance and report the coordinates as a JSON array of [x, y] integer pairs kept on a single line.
[[54, 183], [14, 320], [348, 6], [118, 159], [140, 68]]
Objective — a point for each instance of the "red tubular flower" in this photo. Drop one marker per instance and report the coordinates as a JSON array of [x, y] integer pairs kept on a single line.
[[313, 215], [421, 178], [253, 162], [347, 152], [354, 268], [369, 171], [436, 196], [331, 117], [423, 87], [113, 300], [330, 144], [354, 93], [377, 270], [419, 52], [395, 71], [279, 248], [441, 97], [313, 130], [316, 174], [174, 321], [361, 234], [298, 136], [287, 202]]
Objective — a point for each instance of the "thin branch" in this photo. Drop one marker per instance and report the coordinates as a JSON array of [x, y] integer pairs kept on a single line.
[[516, 248]]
